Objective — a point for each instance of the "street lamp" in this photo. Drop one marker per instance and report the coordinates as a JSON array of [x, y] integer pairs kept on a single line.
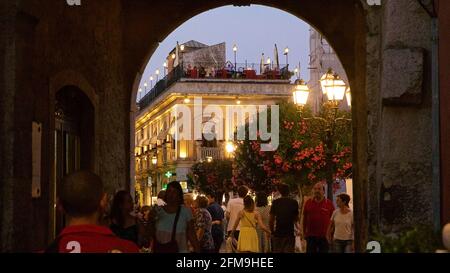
[[140, 93], [157, 74], [182, 47], [235, 52], [326, 80], [301, 93], [165, 67], [335, 89], [230, 148], [296, 72], [151, 82], [154, 160], [286, 52], [145, 86]]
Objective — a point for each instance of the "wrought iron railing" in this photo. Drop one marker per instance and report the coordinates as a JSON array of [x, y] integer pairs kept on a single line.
[[228, 70]]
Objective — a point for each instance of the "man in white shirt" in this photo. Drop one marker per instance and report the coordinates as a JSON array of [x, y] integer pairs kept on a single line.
[[233, 208]]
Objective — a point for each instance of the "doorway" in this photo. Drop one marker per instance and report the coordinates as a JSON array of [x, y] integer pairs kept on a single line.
[[74, 143]]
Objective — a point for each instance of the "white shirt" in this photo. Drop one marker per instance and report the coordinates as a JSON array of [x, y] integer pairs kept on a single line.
[[343, 225], [233, 208]]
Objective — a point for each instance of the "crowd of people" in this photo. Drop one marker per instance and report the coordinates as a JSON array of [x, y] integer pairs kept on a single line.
[[179, 224]]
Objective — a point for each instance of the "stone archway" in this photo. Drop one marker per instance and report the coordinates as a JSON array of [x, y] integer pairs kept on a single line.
[[109, 41], [343, 25]]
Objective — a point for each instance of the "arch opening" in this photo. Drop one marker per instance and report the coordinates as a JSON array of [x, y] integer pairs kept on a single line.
[[350, 50]]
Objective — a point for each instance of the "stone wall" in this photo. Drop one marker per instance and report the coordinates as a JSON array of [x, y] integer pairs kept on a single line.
[[399, 121], [50, 39], [7, 88], [444, 88]]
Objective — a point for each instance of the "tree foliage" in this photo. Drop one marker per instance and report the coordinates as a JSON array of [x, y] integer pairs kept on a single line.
[[211, 176], [311, 150]]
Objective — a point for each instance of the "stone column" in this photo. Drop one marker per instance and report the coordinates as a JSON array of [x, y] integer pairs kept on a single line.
[[404, 170]]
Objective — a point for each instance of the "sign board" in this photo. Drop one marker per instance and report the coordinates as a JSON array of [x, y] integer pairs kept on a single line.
[[168, 174]]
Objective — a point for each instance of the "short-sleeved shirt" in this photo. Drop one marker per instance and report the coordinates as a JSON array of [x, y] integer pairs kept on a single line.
[[203, 220], [93, 239], [217, 214], [234, 207], [316, 217], [164, 227], [285, 211], [343, 225]]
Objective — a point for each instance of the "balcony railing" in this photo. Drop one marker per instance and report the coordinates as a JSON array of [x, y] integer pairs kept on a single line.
[[228, 70], [210, 153]]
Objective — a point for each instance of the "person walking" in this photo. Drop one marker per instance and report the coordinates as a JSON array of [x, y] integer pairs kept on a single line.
[[217, 216], [248, 219], [263, 208], [235, 206], [341, 229], [203, 223], [173, 223], [283, 218], [317, 213]]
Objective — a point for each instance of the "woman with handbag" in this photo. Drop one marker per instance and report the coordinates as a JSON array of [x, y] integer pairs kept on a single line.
[[248, 237], [173, 224]]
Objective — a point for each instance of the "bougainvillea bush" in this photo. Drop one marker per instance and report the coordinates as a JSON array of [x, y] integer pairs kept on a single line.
[[210, 176], [311, 150]]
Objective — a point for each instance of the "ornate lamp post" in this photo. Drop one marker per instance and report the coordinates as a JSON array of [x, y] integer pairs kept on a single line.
[[301, 93], [157, 74], [286, 52], [335, 89], [235, 59]]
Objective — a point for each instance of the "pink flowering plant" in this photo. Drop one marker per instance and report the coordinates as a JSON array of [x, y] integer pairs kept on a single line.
[[310, 151]]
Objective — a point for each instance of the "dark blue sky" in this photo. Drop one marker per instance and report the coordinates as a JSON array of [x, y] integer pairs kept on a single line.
[[255, 30]]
